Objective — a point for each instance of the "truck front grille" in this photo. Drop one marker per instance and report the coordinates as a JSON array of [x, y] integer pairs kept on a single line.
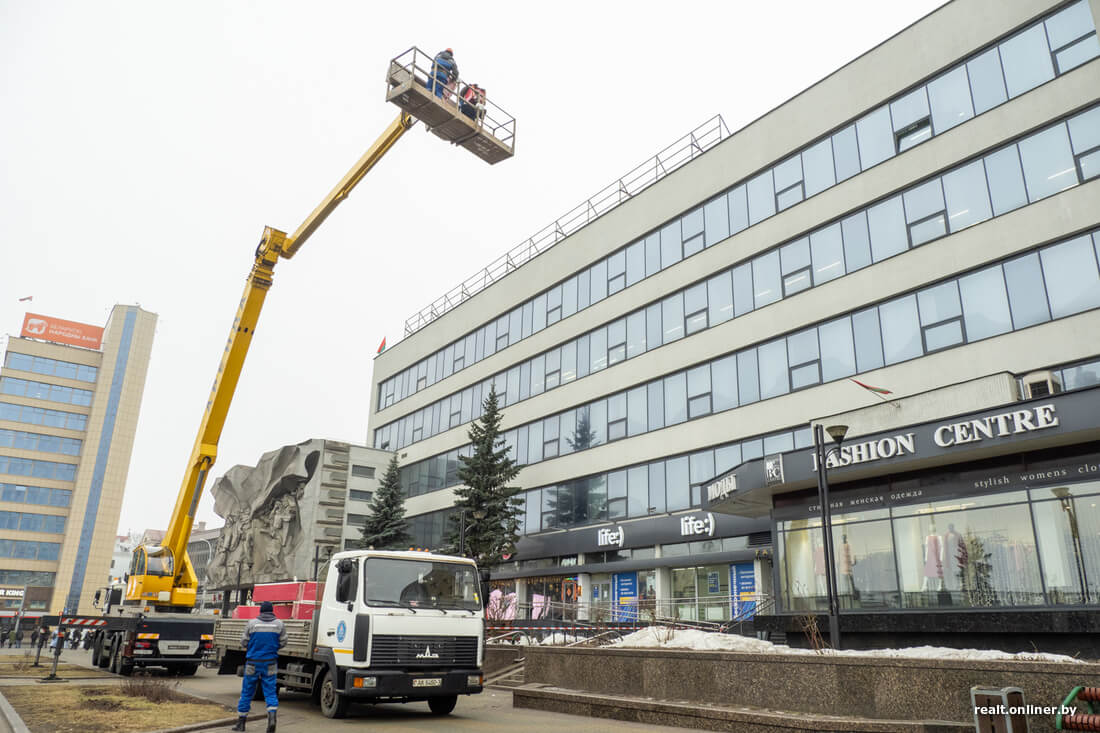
[[388, 650]]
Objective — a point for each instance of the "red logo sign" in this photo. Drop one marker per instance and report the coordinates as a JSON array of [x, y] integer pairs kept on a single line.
[[36, 326]]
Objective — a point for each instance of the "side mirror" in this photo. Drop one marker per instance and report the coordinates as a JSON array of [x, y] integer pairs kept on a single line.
[[125, 577]]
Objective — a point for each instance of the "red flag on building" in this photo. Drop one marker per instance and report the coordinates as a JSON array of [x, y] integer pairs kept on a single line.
[[24, 300], [381, 346], [869, 388]]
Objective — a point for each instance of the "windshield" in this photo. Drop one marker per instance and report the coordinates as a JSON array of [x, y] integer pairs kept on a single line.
[[421, 584]]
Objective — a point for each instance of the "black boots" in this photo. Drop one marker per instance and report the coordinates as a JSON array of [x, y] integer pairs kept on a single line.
[[240, 723], [271, 721]]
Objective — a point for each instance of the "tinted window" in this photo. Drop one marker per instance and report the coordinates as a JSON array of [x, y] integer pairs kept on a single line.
[[1026, 60]]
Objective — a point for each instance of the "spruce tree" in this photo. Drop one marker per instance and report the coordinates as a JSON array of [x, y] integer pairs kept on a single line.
[[485, 476], [386, 527]]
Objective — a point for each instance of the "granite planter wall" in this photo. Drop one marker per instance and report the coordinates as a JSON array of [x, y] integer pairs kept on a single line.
[[902, 689]]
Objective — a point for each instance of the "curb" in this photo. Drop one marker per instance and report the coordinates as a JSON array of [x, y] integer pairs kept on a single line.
[[14, 721], [199, 726]]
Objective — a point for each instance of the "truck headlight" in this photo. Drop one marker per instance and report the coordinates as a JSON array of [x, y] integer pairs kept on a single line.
[[365, 682], [473, 680]]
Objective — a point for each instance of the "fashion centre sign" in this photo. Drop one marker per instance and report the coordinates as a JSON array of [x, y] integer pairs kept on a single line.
[[992, 427]]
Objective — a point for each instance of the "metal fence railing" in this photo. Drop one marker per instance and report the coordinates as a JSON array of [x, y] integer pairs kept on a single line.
[[485, 113], [684, 150]]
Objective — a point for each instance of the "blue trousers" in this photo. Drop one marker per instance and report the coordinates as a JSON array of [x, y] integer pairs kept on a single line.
[[437, 83], [264, 674]]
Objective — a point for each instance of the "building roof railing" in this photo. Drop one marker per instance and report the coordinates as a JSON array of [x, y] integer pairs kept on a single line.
[[684, 150]]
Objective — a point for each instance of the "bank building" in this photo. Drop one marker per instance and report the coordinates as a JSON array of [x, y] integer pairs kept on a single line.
[[909, 249]]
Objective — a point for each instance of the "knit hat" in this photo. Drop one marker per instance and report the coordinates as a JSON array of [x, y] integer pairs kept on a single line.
[[266, 607]]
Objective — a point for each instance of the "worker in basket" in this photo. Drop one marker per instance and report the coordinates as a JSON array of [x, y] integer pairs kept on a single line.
[[444, 73], [473, 102]]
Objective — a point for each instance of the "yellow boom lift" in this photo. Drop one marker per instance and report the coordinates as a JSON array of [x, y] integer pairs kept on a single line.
[[163, 578]]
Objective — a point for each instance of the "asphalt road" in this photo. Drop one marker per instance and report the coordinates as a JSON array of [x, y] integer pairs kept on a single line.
[[488, 712]]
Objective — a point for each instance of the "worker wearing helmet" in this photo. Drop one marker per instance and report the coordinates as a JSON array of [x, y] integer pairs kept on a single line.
[[444, 72]]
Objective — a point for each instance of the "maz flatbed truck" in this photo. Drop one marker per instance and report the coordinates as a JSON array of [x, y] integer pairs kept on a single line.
[[388, 627]]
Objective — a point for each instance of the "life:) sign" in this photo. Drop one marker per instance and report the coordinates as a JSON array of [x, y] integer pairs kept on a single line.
[[608, 537], [690, 526]]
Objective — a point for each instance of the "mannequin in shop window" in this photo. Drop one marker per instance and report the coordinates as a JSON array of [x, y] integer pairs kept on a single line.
[[819, 571], [952, 563], [933, 560], [847, 582]]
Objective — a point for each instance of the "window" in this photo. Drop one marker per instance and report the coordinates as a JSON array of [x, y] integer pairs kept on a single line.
[[795, 265], [838, 357], [924, 212], [675, 388], [887, 227], [671, 245], [876, 140], [672, 318], [1084, 133], [765, 278], [357, 495], [698, 391], [941, 317], [901, 337], [1026, 60], [827, 254], [695, 306], [911, 119], [1047, 162], [720, 298], [985, 304], [1071, 276], [788, 183], [724, 383], [761, 195], [817, 168], [804, 358], [950, 100], [967, 196], [774, 379]]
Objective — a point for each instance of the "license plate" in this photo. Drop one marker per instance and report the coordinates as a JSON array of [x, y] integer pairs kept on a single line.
[[143, 651], [428, 682], [184, 647]]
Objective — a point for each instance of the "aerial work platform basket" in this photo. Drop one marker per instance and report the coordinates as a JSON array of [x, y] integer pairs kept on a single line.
[[476, 124]]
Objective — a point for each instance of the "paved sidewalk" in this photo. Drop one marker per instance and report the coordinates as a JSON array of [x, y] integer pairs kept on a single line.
[[489, 712]]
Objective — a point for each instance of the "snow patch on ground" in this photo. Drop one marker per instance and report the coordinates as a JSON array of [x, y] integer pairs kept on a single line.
[[664, 638]]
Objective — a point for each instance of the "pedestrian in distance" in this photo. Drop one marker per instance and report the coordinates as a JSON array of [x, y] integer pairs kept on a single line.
[[444, 73], [43, 635], [262, 639], [18, 637], [11, 638], [34, 638]]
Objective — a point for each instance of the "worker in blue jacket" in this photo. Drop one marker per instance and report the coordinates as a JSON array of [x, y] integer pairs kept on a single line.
[[262, 639], [444, 72]]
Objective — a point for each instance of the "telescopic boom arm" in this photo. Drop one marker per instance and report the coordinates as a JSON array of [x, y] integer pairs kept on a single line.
[[163, 575]]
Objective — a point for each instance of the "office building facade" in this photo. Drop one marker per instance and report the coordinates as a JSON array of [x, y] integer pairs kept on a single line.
[[926, 216], [70, 395]]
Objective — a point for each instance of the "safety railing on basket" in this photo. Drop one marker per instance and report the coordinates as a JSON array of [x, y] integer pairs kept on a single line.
[[478, 106], [653, 169]]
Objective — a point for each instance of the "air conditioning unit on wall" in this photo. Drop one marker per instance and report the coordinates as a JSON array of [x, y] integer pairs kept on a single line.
[[1040, 384]]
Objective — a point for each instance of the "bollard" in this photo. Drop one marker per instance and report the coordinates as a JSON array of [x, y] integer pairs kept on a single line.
[[52, 676]]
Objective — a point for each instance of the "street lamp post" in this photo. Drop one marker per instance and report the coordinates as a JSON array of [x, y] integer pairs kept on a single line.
[[837, 433]]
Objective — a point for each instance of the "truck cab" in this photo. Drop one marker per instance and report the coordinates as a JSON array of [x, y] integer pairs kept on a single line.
[[387, 627]]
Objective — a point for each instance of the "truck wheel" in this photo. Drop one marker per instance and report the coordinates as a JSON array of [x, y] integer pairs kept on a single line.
[[95, 652], [103, 646], [442, 705], [332, 704], [113, 655]]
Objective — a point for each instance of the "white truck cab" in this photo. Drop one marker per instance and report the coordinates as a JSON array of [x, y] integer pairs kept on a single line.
[[388, 627]]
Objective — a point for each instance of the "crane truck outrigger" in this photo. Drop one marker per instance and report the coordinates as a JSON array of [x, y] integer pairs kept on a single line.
[[149, 621]]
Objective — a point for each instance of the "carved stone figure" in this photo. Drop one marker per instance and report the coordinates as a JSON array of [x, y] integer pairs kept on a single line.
[[266, 508]]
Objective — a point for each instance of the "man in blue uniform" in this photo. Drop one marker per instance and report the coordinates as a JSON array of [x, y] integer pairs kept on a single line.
[[444, 72], [263, 637]]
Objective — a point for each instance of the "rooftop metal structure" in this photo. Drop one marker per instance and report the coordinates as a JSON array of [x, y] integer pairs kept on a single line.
[[683, 151]]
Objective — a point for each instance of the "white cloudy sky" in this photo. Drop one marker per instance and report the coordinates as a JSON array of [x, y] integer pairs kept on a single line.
[[144, 145]]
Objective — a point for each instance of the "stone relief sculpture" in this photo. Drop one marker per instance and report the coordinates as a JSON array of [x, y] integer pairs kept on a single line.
[[265, 508]]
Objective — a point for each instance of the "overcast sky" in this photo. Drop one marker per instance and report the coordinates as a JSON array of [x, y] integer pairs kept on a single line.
[[145, 145]]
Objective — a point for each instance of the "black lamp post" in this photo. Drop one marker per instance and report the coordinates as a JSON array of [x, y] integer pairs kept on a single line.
[[837, 433]]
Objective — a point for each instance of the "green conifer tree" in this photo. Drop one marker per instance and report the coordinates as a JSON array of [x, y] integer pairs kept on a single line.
[[386, 527], [491, 506]]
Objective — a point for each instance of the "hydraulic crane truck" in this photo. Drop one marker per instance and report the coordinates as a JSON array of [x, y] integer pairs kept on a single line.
[[387, 627], [150, 622]]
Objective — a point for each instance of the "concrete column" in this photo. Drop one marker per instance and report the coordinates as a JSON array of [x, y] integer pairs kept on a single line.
[[584, 595], [521, 598], [664, 591]]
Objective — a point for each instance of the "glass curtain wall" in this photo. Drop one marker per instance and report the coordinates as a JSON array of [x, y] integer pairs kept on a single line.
[[1039, 547]]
